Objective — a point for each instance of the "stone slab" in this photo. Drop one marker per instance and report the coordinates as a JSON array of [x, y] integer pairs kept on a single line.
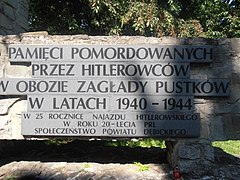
[[167, 53], [132, 70], [171, 125], [109, 103], [153, 86]]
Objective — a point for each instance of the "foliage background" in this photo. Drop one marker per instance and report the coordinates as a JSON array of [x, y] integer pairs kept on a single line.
[[157, 18]]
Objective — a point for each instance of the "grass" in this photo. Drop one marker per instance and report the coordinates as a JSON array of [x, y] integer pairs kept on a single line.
[[146, 143], [141, 167], [86, 166], [230, 147]]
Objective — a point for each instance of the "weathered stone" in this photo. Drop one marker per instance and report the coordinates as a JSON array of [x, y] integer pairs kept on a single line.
[[15, 115], [9, 12], [1, 68], [37, 33], [20, 27], [205, 127], [5, 105], [231, 124], [208, 152], [5, 21], [191, 155], [235, 43], [39, 170], [6, 128], [223, 108], [217, 128], [186, 166], [3, 31], [81, 36], [12, 3], [17, 71], [189, 152], [14, 16]]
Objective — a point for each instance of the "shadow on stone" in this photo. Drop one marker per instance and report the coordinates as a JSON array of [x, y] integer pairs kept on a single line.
[[31, 177], [222, 157], [79, 151]]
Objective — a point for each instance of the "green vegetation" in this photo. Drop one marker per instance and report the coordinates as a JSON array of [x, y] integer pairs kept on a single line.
[[141, 167], [86, 166], [58, 142], [231, 146], [10, 178], [147, 143], [176, 18]]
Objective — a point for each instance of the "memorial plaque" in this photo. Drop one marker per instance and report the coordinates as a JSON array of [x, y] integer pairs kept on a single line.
[[109, 103], [211, 87], [112, 90], [117, 124], [110, 86], [167, 53], [142, 70]]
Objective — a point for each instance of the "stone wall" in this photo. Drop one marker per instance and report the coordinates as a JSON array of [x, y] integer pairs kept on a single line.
[[219, 115], [13, 16]]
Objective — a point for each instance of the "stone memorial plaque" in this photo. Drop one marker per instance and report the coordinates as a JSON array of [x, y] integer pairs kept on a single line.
[[110, 103], [211, 87], [111, 90], [114, 69], [123, 86], [117, 124], [165, 53]]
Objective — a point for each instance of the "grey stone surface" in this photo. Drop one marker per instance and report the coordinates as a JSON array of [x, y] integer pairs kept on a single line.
[[193, 155], [12, 3], [74, 171], [6, 21], [112, 171], [189, 152], [9, 11], [14, 16], [5, 105]]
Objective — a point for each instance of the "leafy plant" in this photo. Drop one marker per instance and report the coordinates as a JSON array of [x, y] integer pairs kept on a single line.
[[177, 18], [58, 142], [141, 167], [147, 143]]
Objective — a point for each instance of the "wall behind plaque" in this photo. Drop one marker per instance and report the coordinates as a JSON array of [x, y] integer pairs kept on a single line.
[[13, 16]]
